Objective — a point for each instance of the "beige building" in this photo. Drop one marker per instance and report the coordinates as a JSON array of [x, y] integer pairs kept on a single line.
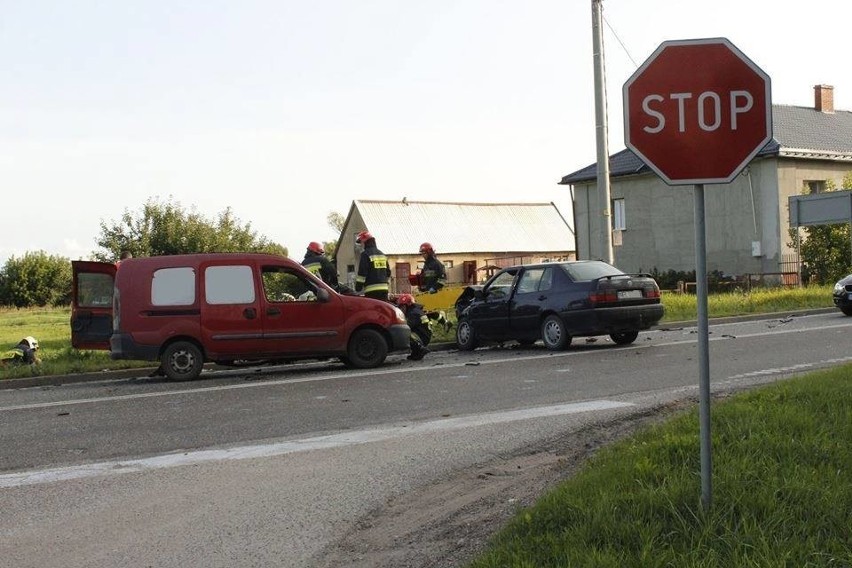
[[471, 239], [747, 221]]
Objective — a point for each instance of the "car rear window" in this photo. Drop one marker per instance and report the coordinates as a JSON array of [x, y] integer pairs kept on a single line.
[[94, 290], [590, 270]]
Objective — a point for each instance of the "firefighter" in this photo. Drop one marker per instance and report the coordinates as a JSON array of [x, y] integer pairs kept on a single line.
[[420, 324], [24, 353], [433, 276], [373, 269], [318, 264]]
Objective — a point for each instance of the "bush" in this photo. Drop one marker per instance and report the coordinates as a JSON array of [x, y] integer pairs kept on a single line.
[[716, 280], [36, 279]]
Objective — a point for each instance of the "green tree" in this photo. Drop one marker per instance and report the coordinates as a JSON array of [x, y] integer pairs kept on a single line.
[[825, 249], [36, 279], [336, 221], [165, 227]]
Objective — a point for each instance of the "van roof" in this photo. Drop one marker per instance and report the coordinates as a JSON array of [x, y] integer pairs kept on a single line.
[[184, 259]]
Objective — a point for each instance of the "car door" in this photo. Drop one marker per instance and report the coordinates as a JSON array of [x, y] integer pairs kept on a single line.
[[231, 322], [531, 295], [300, 316], [91, 304], [490, 315]]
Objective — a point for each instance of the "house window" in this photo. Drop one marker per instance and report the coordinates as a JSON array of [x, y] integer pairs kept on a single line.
[[812, 187], [618, 219], [448, 264]]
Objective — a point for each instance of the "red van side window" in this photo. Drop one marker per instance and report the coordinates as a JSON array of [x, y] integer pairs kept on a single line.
[[231, 284], [173, 287], [283, 285]]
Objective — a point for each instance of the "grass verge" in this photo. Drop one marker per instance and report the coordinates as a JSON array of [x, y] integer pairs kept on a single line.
[[52, 328], [683, 307], [782, 491]]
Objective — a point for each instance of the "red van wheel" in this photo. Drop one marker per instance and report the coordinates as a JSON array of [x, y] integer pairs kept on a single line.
[[367, 349], [182, 361]]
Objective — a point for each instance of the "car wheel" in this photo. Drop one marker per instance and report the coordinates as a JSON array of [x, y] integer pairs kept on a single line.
[[367, 349], [554, 334], [182, 361], [346, 361], [465, 336], [847, 310], [625, 337]]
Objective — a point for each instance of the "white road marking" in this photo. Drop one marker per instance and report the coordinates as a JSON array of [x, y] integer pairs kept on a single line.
[[342, 439], [407, 370], [791, 368]]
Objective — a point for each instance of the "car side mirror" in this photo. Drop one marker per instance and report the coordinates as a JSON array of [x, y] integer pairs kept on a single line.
[[322, 295]]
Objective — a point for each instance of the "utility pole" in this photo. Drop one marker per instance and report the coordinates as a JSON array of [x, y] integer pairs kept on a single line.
[[602, 132]]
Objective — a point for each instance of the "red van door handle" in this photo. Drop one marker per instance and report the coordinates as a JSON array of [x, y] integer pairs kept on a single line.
[[273, 311], [250, 313]]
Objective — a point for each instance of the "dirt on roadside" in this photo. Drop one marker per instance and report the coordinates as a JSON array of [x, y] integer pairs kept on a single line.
[[448, 523]]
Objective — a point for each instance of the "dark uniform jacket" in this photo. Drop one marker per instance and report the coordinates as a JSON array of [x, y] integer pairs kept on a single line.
[[20, 354], [373, 273], [319, 265], [433, 275], [418, 321]]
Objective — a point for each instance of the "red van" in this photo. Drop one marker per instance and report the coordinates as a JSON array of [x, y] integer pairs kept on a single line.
[[185, 310]]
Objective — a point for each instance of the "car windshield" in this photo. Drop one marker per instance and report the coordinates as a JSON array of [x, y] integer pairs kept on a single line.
[[590, 270]]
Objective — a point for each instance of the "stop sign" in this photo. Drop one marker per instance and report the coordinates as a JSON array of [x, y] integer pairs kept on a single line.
[[697, 111]]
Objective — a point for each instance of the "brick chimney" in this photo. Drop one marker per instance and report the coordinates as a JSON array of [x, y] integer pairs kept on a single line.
[[824, 98]]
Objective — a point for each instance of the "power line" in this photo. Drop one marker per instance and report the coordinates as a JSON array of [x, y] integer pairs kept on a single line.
[[620, 42]]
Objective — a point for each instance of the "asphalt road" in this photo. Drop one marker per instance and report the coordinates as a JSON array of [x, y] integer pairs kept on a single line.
[[269, 467]]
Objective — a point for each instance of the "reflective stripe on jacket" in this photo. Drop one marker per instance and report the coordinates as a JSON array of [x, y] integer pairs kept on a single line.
[[373, 271], [321, 267]]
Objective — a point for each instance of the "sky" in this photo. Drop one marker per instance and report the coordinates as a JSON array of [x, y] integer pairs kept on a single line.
[[288, 110]]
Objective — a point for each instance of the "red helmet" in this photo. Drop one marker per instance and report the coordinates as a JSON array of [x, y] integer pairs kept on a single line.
[[427, 248], [363, 236], [405, 300], [316, 247]]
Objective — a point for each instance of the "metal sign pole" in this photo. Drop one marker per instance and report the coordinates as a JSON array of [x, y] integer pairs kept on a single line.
[[703, 348]]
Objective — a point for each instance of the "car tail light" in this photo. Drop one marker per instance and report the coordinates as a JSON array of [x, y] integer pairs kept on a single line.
[[653, 293], [603, 296]]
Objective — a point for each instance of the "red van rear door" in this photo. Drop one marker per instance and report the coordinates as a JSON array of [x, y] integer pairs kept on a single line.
[[91, 304]]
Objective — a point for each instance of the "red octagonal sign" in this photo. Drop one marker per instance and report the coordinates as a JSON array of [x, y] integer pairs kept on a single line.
[[697, 111]]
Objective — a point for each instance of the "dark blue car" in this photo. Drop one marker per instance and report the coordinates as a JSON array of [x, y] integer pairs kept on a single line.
[[554, 302]]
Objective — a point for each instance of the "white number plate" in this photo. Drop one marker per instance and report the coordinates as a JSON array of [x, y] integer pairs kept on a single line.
[[629, 294]]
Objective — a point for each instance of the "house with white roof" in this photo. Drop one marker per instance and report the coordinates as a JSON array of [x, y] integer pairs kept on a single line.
[[471, 239]]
